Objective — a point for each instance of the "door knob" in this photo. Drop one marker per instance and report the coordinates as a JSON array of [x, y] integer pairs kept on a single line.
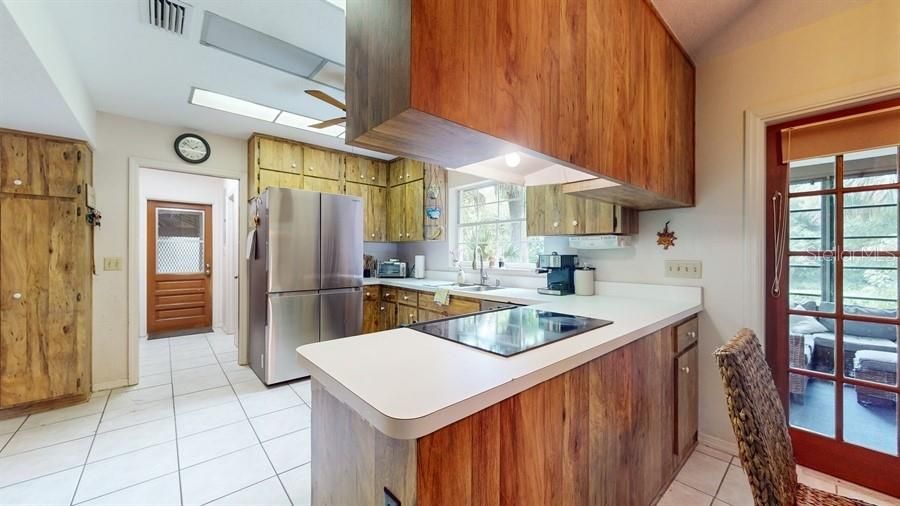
[[208, 270], [17, 296]]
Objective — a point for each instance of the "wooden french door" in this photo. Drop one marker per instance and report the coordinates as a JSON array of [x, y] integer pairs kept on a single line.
[[179, 268], [831, 311]]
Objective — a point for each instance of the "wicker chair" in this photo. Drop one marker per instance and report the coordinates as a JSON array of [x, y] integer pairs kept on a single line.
[[761, 430]]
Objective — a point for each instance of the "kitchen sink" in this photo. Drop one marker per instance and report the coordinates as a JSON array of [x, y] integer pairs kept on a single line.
[[477, 288]]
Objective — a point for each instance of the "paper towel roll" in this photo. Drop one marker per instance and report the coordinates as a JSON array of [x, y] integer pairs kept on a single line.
[[584, 281], [420, 267]]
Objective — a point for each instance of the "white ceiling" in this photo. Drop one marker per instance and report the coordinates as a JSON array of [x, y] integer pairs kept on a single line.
[[695, 21], [133, 69]]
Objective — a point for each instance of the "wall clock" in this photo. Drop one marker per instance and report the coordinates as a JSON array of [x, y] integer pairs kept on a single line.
[[192, 148]]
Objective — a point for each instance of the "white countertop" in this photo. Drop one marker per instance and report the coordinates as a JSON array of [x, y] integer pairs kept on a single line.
[[409, 384]]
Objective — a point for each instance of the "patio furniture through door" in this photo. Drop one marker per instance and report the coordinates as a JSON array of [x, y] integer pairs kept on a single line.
[[831, 269], [179, 268]]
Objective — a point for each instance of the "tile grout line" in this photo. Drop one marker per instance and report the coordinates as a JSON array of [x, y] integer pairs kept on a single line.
[[259, 441], [90, 449], [3, 447], [175, 423], [719, 488]]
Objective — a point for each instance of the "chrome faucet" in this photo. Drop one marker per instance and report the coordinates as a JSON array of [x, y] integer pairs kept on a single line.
[[484, 276]]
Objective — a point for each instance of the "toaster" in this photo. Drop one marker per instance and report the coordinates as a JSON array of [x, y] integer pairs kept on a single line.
[[392, 268]]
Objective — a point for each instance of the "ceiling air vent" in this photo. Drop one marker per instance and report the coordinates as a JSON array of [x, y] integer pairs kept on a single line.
[[168, 15]]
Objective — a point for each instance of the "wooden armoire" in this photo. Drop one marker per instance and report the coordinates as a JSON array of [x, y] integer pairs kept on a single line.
[[46, 270]]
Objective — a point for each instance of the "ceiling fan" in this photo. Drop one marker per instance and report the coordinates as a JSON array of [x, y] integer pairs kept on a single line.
[[321, 95]]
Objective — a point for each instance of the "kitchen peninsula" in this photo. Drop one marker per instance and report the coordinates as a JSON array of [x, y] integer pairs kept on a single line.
[[603, 417]]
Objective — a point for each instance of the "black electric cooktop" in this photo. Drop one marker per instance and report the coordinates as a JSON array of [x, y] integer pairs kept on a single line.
[[508, 332]]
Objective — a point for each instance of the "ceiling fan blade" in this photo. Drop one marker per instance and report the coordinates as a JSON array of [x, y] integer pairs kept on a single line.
[[328, 123], [325, 97]]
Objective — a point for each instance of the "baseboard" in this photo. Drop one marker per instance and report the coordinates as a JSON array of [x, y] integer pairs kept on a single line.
[[729, 447], [109, 385]]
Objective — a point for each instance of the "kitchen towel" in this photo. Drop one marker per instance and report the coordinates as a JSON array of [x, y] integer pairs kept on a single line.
[[442, 296]]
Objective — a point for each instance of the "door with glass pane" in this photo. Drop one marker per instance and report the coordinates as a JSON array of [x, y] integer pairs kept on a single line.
[[179, 268], [832, 323]]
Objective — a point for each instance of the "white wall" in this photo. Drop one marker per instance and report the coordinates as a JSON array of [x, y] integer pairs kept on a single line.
[[118, 139], [189, 189]]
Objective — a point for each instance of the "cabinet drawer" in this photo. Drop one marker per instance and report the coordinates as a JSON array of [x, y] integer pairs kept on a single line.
[[427, 316], [408, 297], [388, 294], [457, 305], [685, 335], [372, 292]]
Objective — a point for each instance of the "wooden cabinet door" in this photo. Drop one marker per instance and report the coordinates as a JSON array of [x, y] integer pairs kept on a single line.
[[534, 210], [686, 402], [427, 316], [396, 221], [355, 169], [405, 170], [599, 217], [323, 164], [407, 315], [376, 214], [20, 165], [414, 211], [571, 213], [42, 352], [268, 178], [280, 155], [64, 168], [318, 184], [377, 173], [388, 316], [371, 316]]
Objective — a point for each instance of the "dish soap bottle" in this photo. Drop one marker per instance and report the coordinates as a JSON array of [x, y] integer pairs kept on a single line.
[[460, 275]]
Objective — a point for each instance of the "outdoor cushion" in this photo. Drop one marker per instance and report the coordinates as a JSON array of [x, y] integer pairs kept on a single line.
[[855, 343], [872, 360], [877, 330]]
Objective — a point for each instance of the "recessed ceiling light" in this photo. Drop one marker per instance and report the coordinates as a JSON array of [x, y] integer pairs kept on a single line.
[[297, 121], [233, 105], [512, 159]]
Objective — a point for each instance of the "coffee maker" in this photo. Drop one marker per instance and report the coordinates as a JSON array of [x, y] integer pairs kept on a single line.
[[560, 271]]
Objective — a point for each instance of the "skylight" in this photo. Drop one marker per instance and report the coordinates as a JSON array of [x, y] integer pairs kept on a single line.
[[233, 105]]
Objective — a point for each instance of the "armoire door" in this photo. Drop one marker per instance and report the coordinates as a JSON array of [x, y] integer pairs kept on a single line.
[[41, 273]]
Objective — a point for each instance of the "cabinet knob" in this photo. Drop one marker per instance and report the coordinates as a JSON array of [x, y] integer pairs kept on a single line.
[[311, 168], [293, 165], [411, 316], [405, 297], [17, 296], [686, 369], [574, 223], [17, 182], [555, 224], [363, 176], [373, 235], [692, 334], [373, 178], [407, 234], [381, 308], [407, 176], [368, 294], [401, 176]]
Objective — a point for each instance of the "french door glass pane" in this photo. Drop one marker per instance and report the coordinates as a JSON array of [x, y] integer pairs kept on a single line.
[[870, 220], [812, 223], [870, 351], [812, 404], [870, 167], [811, 282], [870, 418], [811, 343], [179, 241], [870, 283], [812, 174]]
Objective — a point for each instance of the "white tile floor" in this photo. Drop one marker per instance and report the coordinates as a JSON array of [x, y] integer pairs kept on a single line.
[[200, 429], [197, 429], [711, 477]]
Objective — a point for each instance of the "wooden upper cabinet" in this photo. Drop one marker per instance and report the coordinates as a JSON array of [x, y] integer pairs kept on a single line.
[[396, 206], [318, 184], [414, 211], [365, 171], [280, 155], [321, 163], [549, 211], [21, 165], [405, 170], [374, 213], [597, 85], [64, 166]]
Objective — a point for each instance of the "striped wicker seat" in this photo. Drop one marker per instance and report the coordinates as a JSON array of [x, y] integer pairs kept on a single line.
[[760, 427]]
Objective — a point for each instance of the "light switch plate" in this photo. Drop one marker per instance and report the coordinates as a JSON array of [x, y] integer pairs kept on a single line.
[[692, 269], [112, 263]]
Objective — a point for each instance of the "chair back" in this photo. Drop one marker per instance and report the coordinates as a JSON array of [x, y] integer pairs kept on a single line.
[[757, 417]]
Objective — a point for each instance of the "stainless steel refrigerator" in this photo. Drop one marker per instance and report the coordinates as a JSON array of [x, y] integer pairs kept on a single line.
[[305, 275]]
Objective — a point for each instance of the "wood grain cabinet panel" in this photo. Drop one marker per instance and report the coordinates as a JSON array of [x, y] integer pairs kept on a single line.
[[686, 402], [374, 212], [322, 164], [608, 89], [318, 184], [414, 211], [21, 165], [365, 171], [407, 315], [405, 170], [549, 211], [280, 155], [371, 316], [396, 219], [64, 168], [387, 316]]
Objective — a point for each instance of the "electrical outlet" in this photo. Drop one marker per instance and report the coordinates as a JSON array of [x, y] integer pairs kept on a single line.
[[112, 263], [692, 269]]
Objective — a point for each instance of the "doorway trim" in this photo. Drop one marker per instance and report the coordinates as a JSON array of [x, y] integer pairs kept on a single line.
[[134, 199]]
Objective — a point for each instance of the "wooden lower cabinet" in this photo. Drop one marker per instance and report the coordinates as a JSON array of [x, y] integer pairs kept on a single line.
[[599, 434], [388, 316], [686, 401], [407, 315], [427, 316], [388, 307]]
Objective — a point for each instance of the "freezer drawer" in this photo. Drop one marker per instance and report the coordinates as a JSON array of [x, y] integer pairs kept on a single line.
[[342, 313], [293, 321]]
